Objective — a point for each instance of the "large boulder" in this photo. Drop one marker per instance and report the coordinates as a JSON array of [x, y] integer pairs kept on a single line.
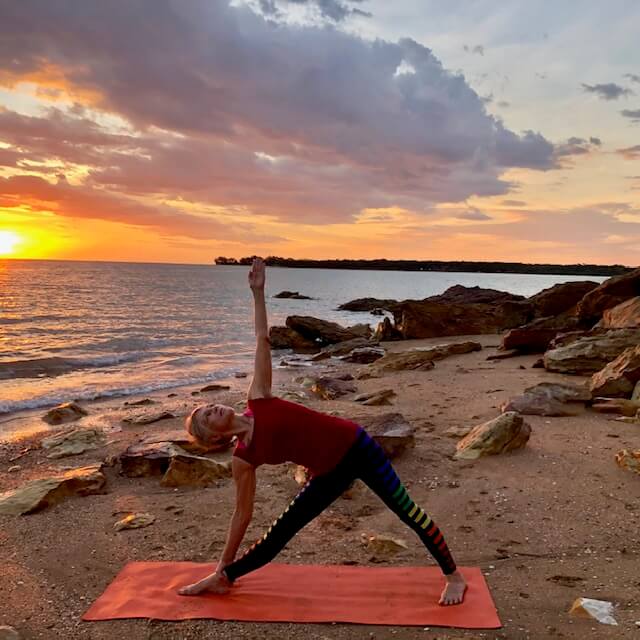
[[67, 412], [46, 492], [366, 304], [72, 443], [608, 295], [505, 433], [321, 331], [286, 338], [459, 294], [560, 297], [429, 319], [422, 359], [536, 336], [590, 354], [618, 378], [548, 399], [390, 430], [626, 315]]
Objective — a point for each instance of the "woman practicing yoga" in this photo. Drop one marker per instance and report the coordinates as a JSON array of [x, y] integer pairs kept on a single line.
[[336, 452]]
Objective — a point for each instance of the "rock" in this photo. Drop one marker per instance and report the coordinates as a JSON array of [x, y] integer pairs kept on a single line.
[[626, 315], [292, 294], [148, 459], [68, 412], [135, 521], [148, 418], [635, 396], [285, 338], [422, 359], [14, 468], [390, 430], [619, 377], [609, 294], [457, 432], [362, 330], [560, 297], [385, 331], [320, 331], [599, 610], [506, 432], [301, 474], [215, 387], [366, 304], [589, 354], [383, 547], [8, 633], [319, 357], [538, 364], [548, 399], [377, 312], [460, 294], [377, 398], [194, 471], [536, 336], [343, 348], [140, 403], [46, 492], [182, 439], [73, 443], [364, 355], [629, 460], [240, 374], [332, 388], [295, 396], [619, 406], [504, 355]]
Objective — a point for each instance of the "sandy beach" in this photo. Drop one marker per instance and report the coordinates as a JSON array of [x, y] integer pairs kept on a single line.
[[549, 523]]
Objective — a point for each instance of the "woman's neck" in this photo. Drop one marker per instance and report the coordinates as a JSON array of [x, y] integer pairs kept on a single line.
[[243, 427]]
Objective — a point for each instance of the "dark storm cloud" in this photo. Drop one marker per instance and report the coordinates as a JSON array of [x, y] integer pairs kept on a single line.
[[607, 91]]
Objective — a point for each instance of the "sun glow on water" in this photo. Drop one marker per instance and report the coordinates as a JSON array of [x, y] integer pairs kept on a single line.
[[9, 241]]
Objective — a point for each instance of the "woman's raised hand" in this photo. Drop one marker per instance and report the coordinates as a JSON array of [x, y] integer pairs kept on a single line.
[[257, 274]]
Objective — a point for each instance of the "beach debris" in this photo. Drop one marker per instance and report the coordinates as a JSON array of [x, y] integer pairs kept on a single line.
[[332, 388], [67, 412], [376, 398], [322, 331], [548, 399], [457, 431], [383, 547], [390, 430], [139, 403], [186, 470], [505, 433], [292, 294], [599, 610], [46, 492], [148, 418], [72, 443], [135, 521], [8, 633], [620, 406], [619, 377], [286, 338], [364, 355], [215, 386], [589, 354], [629, 460]]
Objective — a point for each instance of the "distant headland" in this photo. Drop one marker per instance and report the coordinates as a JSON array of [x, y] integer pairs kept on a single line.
[[382, 264]]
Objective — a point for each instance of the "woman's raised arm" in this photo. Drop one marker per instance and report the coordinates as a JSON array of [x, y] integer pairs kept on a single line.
[[261, 384]]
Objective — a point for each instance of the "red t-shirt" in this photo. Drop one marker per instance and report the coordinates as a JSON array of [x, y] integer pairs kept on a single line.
[[288, 432]]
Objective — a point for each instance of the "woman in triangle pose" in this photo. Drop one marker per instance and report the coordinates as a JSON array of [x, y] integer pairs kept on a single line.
[[336, 452]]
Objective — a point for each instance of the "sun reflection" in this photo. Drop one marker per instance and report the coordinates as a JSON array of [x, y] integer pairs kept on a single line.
[[9, 241]]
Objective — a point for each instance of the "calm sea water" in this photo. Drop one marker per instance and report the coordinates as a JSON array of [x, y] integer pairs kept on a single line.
[[83, 330]]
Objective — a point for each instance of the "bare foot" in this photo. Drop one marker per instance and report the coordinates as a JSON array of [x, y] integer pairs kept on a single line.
[[453, 593], [215, 583]]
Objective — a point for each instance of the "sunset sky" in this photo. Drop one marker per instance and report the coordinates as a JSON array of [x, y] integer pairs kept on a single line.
[[181, 130]]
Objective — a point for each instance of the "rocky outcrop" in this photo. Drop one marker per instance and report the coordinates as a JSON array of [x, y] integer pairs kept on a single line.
[[619, 406], [560, 298], [286, 338], [548, 399], [459, 294], [321, 331], [364, 355], [505, 433], [344, 348], [536, 336], [618, 378], [422, 359], [624, 316], [292, 294], [609, 294], [332, 388], [46, 492], [590, 354], [366, 304], [390, 430], [67, 412], [629, 460], [73, 443]]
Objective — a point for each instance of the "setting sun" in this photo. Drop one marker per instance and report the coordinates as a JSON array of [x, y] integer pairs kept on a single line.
[[9, 240]]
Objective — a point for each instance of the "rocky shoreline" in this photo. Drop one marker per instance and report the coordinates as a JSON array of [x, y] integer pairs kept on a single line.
[[114, 481]]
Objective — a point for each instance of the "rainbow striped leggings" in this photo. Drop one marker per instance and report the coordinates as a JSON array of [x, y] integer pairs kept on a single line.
[[367, 461]]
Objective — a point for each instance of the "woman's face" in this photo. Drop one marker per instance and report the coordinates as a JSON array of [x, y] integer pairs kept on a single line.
[[215, 422]]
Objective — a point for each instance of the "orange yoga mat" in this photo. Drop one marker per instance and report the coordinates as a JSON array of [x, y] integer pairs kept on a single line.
[[298, 593]]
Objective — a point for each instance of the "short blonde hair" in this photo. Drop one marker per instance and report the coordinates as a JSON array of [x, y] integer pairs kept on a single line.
[[195, 427]]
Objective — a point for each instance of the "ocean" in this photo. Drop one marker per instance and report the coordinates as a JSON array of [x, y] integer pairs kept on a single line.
[[87, 330]]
